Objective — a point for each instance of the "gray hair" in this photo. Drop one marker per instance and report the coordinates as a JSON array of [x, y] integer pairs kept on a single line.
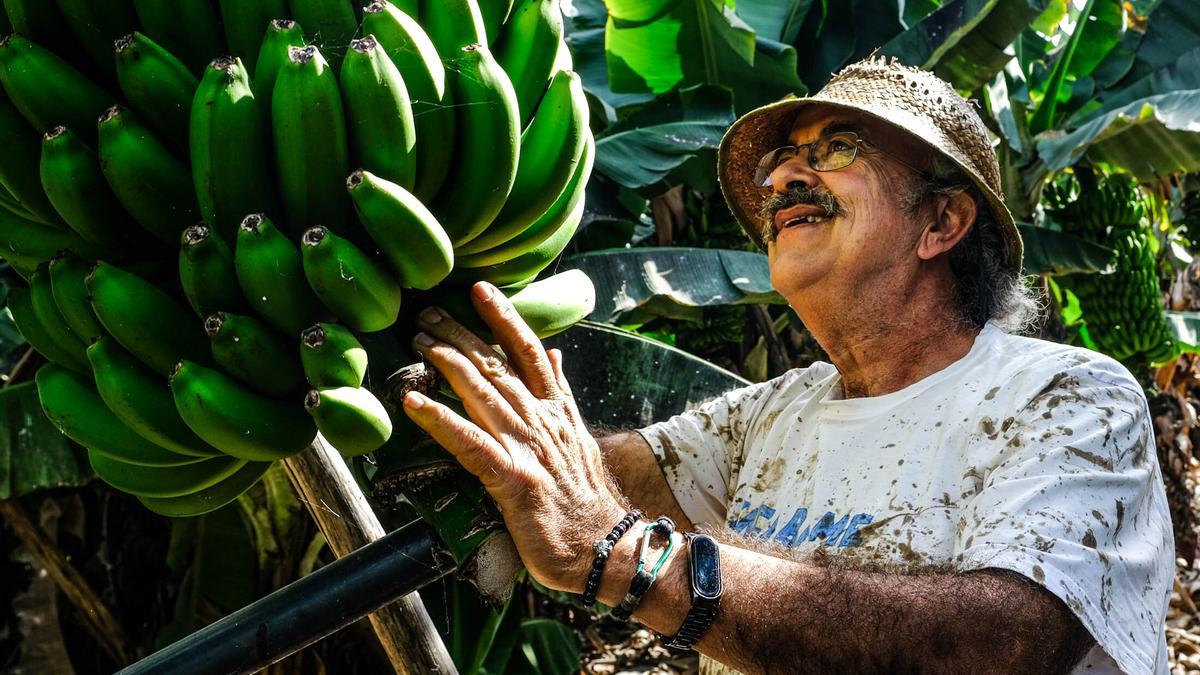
[[985, 289]]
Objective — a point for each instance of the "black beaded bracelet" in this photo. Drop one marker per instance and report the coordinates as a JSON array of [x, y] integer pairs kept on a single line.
[[603, 548], [643, 578]]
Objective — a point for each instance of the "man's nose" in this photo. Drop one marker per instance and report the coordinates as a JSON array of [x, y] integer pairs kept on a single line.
[[792, 174]]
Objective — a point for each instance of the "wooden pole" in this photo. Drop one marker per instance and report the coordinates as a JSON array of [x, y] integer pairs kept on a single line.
[[98, 621], [340, 509]]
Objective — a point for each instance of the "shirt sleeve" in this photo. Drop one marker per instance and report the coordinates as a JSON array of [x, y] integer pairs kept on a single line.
[[699, 449], [1073, 500]]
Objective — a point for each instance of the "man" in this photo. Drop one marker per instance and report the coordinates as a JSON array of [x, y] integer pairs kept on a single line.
[[944, 498]]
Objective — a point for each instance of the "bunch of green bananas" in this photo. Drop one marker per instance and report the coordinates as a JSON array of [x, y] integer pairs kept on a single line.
[[218, 206], [1123, 310]]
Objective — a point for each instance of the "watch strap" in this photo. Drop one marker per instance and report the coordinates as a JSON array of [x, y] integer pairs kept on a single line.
[[700, 616]]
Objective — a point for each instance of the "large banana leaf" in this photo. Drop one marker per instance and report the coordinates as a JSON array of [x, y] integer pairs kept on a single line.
[[1053, 252], [33, 453], [965, 41], [635, 284], [1186, 327], [654, 47], [643, 148], [638, 381], [1150, 137]]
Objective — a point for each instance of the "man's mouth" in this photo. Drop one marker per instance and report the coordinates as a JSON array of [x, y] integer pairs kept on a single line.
[[800, 214], [799, 207]]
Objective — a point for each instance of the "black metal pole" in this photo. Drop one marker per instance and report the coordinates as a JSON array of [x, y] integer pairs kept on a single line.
[[309, 609]]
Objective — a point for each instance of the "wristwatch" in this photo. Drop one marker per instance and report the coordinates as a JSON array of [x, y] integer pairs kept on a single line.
[[704, 563]]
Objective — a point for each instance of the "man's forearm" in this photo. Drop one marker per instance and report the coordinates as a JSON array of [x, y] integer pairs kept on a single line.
[[783, 616]]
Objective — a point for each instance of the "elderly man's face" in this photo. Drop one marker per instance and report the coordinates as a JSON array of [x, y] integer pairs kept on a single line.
[[871, 230]]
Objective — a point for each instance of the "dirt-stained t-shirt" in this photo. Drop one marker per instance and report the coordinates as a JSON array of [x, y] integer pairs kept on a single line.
[[1024, 455]]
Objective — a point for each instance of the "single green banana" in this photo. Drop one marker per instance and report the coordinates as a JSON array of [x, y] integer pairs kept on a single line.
[[270, 272], [25, 239], [190, 29], [71, 177], [230, 148], [254, 353], [139, 398], [210, 498], [382, 132], [207, 273], [47, 90], [549, 305], [360, 292], [417, 60], [281, 35], [527, 265], [159, 481], [19, 165], [350, 418], [240, 422], [331, 23], [495, 14], [246, 22], [480, 179], [527, 50], [409, 236], [68, 274], [41, 294], [20, 305], [73, 405], [149, 181], [332, 357], [144, 319], [557, 217], [452, 25], [311, 154], [42, 22], [96, 24], [551, 149], [157, 86]]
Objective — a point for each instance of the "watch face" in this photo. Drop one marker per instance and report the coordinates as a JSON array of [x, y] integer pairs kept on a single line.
[[706, 567]]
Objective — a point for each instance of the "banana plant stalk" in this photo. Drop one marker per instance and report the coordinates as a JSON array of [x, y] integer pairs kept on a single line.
[[325, 484]]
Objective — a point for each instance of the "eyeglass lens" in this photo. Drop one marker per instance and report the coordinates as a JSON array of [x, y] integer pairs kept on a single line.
[[829, 153]]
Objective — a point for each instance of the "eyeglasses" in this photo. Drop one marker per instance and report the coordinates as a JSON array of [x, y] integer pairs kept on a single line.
[[828, 153]]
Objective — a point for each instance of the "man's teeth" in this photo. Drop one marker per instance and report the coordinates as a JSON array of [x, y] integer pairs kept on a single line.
[[804, 219]]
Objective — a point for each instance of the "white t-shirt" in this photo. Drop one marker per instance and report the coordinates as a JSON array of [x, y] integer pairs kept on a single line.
[[1024, 454]]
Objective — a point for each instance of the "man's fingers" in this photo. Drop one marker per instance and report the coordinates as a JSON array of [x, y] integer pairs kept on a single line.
[[483, 402], [490, 364], [524, 350], [478, 452], [556, 365]]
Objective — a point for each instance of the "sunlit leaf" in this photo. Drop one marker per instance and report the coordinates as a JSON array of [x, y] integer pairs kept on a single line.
[[979, 55], [695, 42], [1150, 137]]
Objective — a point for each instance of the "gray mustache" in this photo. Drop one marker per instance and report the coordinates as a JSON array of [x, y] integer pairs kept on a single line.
[[777, 201]]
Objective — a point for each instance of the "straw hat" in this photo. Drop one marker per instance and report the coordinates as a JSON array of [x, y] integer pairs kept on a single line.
[[914, 100]]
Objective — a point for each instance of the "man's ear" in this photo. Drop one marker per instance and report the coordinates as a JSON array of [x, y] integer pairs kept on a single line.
[[953, 216]]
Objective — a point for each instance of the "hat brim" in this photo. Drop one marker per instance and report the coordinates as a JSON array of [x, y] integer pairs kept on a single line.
[[763, 129]]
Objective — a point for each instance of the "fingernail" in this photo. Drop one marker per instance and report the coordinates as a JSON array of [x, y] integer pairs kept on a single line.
[[482, 290], [423, 339], [414, 400], [431, 315]]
